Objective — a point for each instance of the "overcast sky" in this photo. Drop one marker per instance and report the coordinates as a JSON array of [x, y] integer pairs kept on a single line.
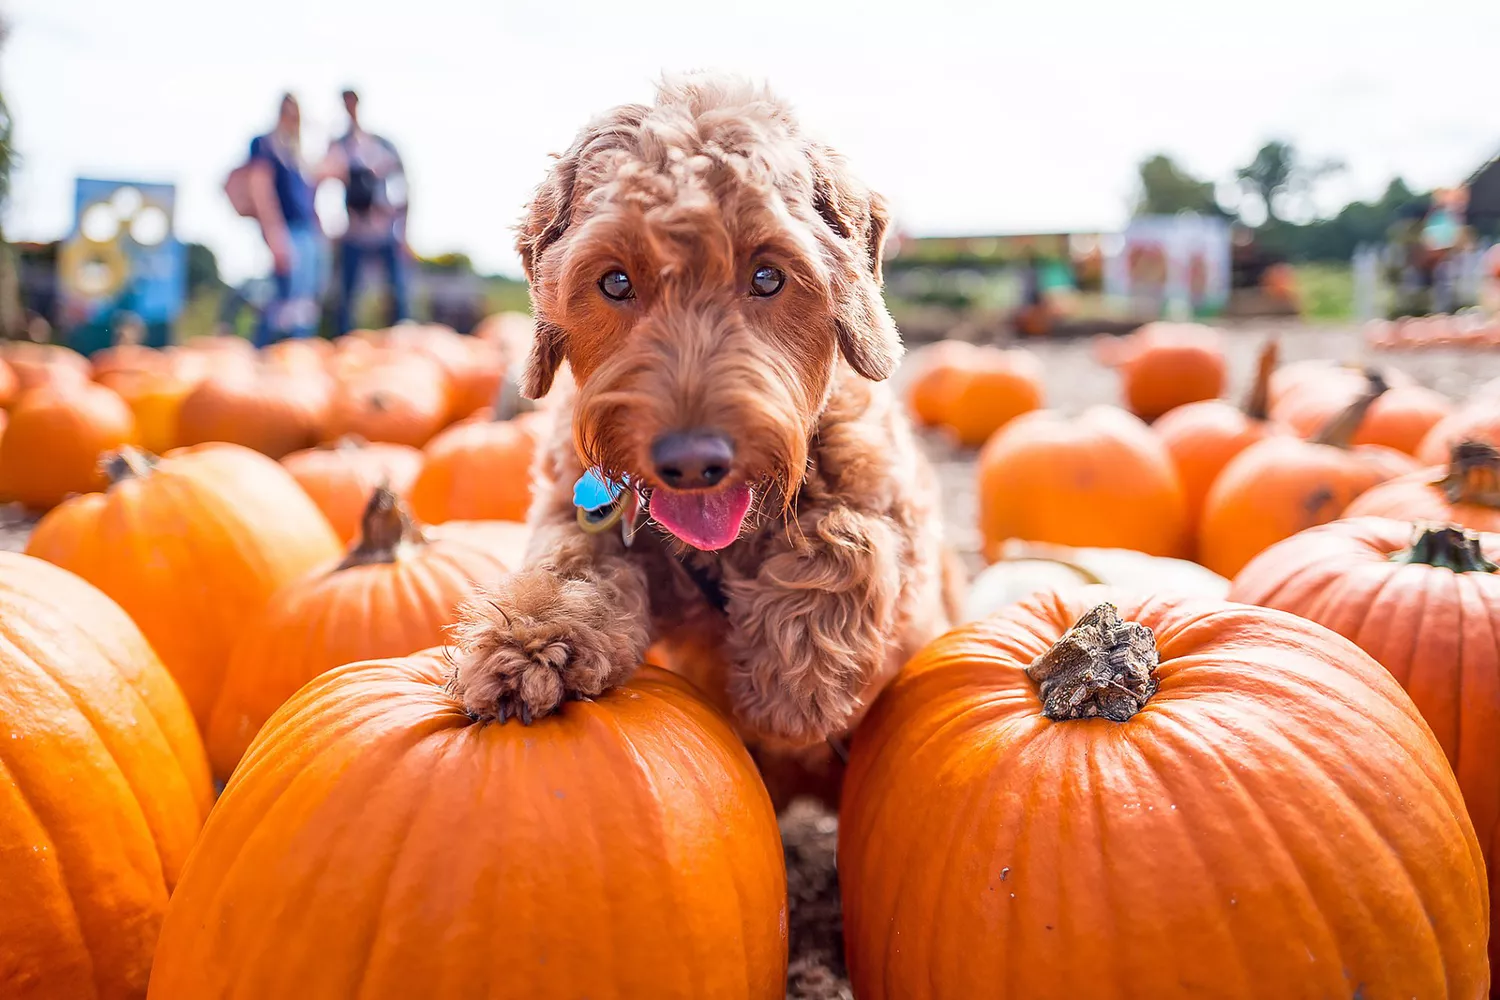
[[1000, 117]]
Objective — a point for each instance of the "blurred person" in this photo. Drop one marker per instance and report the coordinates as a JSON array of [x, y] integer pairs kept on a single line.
[[374, 182], [281, 195]]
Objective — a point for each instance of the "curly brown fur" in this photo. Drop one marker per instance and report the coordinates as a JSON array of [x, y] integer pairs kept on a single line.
[[837, 575]]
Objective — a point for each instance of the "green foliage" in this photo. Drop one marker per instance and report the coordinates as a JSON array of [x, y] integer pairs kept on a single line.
[[202, 270], [506, 295], [1327, 291], [1336, 238], [1166, 189]]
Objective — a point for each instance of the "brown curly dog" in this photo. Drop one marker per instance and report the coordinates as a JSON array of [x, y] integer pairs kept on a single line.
[[712, 278]]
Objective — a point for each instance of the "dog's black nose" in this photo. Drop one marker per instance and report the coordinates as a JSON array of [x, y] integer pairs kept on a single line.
[[692, 460]]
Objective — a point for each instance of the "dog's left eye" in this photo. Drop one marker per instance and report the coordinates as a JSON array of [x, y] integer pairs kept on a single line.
[[766, 281], [616, 285]]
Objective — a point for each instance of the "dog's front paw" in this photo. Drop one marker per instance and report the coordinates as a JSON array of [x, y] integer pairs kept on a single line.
[[534, 643]]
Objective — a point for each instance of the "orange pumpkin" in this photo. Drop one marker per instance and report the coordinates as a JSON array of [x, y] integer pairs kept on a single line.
[[10, 386], [990, 389], [1427, 606], [379, 841], [156, 398], [55, 437], [1202, 798], [125, 358], [1465, 493], [404, 403], [1101, 480], [36, 365], [935, 373], [103, 789], [394, 593], [1477, 421], [1283, 485], [1402, 417], [1202, 437], [269, 411], [478, 470], [340, 477], [1165, 365], [193, 546], [1306, 395]]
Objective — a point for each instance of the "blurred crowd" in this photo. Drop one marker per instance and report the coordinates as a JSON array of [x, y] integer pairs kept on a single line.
[[277, 187]]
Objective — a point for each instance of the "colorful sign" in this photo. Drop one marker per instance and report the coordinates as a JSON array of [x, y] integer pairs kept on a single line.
[[1174, 266], [120, 261]]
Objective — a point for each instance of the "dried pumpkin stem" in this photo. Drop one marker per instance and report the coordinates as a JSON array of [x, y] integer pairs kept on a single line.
[[385, 532], [1102, 667], [1447, 547], [1258, 402], [1473, 474], [127, 463], [1339, 431]]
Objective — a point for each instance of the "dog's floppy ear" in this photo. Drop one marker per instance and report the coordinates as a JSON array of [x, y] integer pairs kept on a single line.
[[859, 218], [548, 350]]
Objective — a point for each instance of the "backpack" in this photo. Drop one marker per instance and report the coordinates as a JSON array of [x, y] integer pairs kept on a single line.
[[360, 191]]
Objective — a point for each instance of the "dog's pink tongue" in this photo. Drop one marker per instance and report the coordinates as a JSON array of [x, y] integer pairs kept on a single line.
[[705, 521]]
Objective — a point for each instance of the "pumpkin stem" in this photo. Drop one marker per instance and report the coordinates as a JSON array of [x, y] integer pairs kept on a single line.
[[1258, 402], [1339, 431], [1473, 474], [1447, 547], [127, 463], [385, 532], [349, 442], [1102, 667]]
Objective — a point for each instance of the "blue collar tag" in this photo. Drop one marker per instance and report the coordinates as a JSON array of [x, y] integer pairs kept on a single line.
[[594, 492]]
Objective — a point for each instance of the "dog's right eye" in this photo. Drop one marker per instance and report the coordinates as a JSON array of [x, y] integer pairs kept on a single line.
[[616, 285]]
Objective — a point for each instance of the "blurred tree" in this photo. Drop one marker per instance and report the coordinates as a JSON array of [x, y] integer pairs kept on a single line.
[[1166, 189], [202, 270], [1277, 173]]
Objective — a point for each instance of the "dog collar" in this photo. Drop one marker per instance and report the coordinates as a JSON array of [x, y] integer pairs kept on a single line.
[[603, 502]]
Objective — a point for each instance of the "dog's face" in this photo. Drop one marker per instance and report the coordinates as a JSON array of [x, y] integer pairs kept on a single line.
[[702, 268]]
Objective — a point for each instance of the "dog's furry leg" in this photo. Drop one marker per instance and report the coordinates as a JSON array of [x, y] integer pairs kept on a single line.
[[573, 623], [814, 626]]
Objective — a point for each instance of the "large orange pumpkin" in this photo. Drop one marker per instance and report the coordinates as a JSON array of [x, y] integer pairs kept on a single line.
[[379, 841], [394, 593], [478, 470], [1477, 421], [1178, 798], [193, 546], [404, 403], [1426, 604], [1202, 437], [1466, 493], [340, 477], [1165, 365], [55, 438], [103, 788], [1101, 480], [1282, 485], [267, 410]]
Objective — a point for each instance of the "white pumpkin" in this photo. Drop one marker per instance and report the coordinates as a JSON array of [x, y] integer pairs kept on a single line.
[[1027, 567]]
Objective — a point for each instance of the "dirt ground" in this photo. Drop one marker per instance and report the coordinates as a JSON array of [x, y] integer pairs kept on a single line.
[[1074, 380]]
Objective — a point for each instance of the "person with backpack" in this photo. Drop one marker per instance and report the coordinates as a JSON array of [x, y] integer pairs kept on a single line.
[[375, 199], [274, 188]]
